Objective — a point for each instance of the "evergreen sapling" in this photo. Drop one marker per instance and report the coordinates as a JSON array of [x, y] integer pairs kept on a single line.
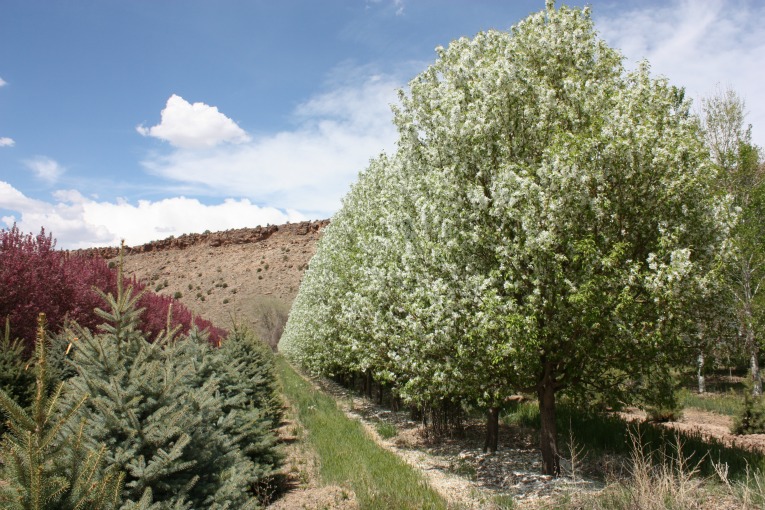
[[47, 463]]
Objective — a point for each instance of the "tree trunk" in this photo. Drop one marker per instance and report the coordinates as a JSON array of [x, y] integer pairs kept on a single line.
[[755, 369], [749, 292], [754, 352], [492, 430], [368, 384], [548, 435], [395, 403], [700, 373]]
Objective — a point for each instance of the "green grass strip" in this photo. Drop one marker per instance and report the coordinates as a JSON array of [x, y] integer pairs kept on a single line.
[[729, 403], [349, 457]]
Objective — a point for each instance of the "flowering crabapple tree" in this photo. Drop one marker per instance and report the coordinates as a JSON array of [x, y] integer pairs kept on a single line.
[[580, 193], [546, 225]]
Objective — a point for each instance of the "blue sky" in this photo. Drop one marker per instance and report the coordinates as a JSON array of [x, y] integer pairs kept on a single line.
[[141, 119]]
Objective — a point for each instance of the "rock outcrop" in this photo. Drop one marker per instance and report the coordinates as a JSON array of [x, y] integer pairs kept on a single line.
[[212, 239]]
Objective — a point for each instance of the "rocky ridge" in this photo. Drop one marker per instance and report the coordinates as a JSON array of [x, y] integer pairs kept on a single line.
[[214, 239]]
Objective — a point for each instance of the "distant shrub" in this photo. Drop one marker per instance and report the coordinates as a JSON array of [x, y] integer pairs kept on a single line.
[[386, 430], [157, 307], [178, 295], [270, 316], [751, 419], [658, 391]]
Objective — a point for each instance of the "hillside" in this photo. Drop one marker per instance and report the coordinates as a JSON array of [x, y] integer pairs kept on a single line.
[[226, 276]]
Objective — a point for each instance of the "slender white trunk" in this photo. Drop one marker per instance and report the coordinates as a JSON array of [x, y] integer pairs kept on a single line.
[[755, 369], [702, 382], [748, 294], [754, 354]]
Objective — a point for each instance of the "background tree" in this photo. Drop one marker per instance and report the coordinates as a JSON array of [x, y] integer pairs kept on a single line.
[[741, 176]]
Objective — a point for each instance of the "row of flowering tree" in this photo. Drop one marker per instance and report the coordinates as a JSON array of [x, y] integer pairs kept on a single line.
[[548, 224]]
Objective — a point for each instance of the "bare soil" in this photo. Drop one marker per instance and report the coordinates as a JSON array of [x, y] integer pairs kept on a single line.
[[708, 425]]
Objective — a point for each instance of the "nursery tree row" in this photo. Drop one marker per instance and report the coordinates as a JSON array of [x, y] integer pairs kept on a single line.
[[123, 418], [551, 223]]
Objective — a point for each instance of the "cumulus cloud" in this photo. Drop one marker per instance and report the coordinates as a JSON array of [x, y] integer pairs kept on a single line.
[[698, 44], [79, 222], [3, 82], [45, 169], [194, 126], [308, 168]]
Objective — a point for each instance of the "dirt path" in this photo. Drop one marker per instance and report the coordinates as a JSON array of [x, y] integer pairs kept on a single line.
[[458, 469], [469, 479], [708, 425]]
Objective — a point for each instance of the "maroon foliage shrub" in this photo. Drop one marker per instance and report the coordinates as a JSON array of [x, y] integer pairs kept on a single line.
[[35, 277], [85, 273], [156, 308], [32, 280]]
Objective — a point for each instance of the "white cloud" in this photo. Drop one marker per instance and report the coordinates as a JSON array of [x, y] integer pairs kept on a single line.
[[698, 44], [45, 169], [79, 222], [398, 5], [194, 126], [308, 168], [4, 140]]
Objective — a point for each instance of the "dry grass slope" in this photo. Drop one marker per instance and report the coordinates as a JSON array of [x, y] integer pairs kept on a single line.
[[228, 276]]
